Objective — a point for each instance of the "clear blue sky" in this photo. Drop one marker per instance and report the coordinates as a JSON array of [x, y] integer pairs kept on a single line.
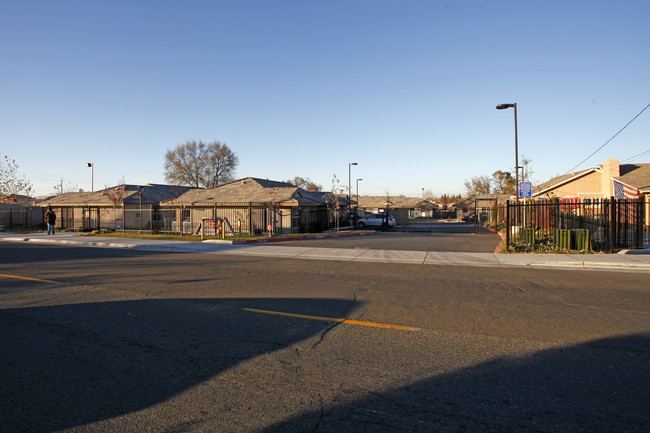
[[407, 89]]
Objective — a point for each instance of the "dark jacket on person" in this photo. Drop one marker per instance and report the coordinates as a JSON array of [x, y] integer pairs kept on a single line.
[[50, 217]]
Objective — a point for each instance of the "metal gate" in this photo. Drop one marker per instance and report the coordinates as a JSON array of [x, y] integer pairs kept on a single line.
[[90, 218]]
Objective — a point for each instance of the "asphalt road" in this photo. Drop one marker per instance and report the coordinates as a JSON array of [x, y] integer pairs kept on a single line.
[[119, 340], [439, 237]]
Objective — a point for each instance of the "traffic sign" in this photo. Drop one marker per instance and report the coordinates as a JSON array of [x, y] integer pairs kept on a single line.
[[525, 189]]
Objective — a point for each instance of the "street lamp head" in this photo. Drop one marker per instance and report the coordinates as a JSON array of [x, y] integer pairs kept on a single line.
[[504, 106], [353, 163], [89, 164]]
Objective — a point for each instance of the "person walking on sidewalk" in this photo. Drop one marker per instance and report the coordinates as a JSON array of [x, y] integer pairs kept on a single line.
[[50, 220]]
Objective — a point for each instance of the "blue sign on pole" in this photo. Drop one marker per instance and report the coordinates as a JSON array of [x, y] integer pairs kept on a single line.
[[525, 189]]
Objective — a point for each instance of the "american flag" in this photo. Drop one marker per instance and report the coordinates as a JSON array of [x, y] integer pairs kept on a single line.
[[624, 191]]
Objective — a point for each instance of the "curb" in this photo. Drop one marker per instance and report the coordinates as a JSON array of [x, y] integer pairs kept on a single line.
[[496, 251], [69, 242]]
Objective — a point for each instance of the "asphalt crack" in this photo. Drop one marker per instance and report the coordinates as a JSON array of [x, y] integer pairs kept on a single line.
[[327, 330]]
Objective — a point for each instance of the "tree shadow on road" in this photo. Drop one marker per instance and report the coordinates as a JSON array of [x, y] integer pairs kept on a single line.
[[69, 365], [600, 386]]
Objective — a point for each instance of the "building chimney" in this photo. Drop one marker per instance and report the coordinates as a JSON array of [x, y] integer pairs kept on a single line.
[[611, 168]]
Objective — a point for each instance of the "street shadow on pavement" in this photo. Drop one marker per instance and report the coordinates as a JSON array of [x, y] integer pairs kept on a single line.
[[599, 386], [70, 365]]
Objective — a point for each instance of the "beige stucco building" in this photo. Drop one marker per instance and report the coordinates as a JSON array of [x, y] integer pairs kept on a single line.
[[611, 179]]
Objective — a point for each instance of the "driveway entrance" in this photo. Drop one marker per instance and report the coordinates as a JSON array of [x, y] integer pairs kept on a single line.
[[450, 241]]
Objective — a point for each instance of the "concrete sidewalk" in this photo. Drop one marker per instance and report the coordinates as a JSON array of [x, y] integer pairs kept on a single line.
[[634, 260]]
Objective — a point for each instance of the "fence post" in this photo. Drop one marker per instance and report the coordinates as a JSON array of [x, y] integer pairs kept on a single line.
[[640, 221], [507, 224], [612, 224], [250, 218]]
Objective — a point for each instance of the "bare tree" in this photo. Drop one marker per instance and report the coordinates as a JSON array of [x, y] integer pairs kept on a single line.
[[305, 183], [503, 182], [274, 207], [11, 182], [445, 201], [220, 164], [66, 187], [333, 202], [527, 174], [200, 165], [478, 185], [183, 166], [116, 195]]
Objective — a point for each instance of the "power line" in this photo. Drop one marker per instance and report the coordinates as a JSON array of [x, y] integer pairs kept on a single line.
[[637, 156], [607, 142]]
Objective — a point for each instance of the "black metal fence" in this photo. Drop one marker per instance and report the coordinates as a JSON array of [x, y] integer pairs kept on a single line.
[[16, 215], [578, 224], [241, 218]]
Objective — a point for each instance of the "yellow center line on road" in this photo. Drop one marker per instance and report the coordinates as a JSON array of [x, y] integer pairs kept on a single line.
[[26, 278], [334, 319]]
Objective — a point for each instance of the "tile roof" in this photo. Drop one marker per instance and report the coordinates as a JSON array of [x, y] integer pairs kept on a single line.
[[636, 175], [248, 190], [559, 180], [151, 194], [401, 202]]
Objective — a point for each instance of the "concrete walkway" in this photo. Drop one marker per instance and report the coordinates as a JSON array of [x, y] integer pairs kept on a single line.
[[632, 260]]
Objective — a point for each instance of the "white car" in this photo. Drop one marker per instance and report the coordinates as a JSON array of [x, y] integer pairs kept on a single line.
[[375, 220]]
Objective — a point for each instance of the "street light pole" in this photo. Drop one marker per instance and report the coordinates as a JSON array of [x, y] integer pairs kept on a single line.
[[350, 182], [358, 191], [503, 107], [92, 175]]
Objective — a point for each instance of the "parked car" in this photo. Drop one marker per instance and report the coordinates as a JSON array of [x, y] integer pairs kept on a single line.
[[469, 218], [375, 220]]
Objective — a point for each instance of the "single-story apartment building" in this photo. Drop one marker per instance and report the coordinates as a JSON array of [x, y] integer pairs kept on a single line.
[[251, 205], [401, 207], [122, 207], [611, 179]]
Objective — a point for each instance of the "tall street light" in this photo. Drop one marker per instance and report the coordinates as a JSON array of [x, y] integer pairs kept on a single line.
[[350, 181], [92, 175], [504, 107], [358, 192]]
